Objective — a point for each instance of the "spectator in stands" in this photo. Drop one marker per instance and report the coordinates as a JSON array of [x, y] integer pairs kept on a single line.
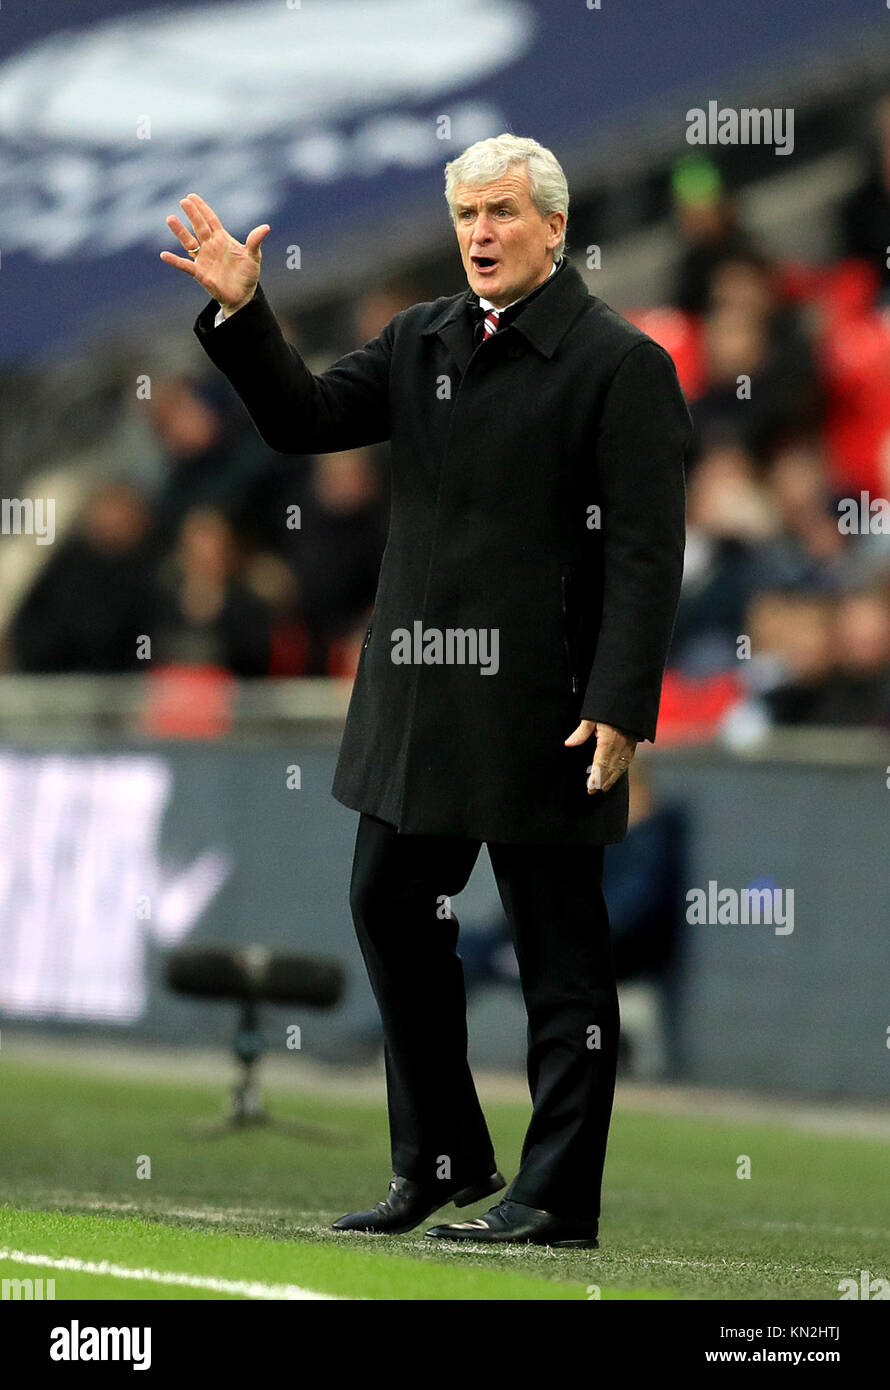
[[707, 219], [809, 551], [751, 282], [207, 615], [95, 595], [865, 214], [761, 381], [335, 553], [728, 517], [735, 346], [868, 555], [858, 691], [792, 653], [214, 456], [817, 661]]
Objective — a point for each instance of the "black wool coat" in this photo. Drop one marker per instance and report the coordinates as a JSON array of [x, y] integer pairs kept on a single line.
[[535, 551]]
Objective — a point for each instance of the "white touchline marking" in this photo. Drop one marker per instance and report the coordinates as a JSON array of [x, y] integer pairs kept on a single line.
[[248, 1287]]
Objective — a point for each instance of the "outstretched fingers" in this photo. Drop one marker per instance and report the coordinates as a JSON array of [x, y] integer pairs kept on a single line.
[[204, 211], [187, 237], [258, 235], [196, 217], [179, 261], [206, 225]]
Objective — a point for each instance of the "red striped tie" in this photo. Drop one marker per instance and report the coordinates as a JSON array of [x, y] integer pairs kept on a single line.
[[490, 323]]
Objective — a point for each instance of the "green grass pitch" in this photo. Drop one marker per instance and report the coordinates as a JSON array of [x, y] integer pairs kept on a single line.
[[246, 1215]]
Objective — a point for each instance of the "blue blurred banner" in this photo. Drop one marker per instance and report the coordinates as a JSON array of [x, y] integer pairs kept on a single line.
[[324, 117]]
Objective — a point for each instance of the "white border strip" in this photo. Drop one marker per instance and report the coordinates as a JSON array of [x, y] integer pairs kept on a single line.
[[248, 1288]]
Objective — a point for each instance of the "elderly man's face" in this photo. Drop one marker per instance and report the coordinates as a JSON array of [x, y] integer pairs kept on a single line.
[[505, 244]]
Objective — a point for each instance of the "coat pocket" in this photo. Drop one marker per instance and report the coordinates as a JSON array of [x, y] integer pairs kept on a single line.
[[568, 614]]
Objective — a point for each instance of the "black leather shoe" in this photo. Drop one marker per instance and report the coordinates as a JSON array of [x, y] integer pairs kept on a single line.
[[512, 1221], [408, 1203]]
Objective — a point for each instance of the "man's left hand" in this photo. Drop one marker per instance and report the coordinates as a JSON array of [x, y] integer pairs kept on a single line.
[[614, 752]]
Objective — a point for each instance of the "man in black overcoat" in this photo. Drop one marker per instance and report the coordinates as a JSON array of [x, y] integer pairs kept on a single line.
[[513, 660]]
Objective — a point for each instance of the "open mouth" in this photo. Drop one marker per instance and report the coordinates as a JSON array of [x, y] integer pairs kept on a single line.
[[484, 263]]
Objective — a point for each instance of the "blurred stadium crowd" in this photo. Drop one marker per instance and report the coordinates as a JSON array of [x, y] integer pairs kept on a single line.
[[193, 539]]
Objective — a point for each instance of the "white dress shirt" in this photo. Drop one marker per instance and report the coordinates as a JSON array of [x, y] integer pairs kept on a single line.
[[487, 304]]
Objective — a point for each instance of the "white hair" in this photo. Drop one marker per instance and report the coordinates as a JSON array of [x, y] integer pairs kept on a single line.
[[490, 159]]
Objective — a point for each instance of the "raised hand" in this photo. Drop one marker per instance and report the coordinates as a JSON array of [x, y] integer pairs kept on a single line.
[[228, 269]]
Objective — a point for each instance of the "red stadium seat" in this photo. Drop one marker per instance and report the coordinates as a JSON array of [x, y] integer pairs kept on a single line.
[[189, 702], [679, 334], [691, 709]]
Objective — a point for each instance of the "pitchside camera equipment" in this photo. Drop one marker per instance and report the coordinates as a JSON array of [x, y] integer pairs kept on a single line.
[[251, 976]]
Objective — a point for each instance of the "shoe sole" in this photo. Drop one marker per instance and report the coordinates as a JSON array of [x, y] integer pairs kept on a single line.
[[579, 1244], [543, 1244], [464, 1198]]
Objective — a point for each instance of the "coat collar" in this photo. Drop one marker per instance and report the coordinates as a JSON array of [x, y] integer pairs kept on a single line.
[[543, 322]]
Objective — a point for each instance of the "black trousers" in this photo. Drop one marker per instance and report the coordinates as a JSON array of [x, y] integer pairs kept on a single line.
[[552, 896]]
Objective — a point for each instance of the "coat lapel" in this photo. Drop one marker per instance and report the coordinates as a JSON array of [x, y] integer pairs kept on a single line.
[[457, 335], [454, 325], [543, 323]]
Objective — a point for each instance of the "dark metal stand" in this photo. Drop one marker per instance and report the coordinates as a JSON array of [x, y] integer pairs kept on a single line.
[[247, 1110]]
